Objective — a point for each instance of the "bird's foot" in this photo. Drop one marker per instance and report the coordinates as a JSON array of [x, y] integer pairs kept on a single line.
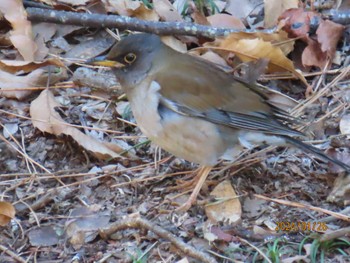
[[199, 181]]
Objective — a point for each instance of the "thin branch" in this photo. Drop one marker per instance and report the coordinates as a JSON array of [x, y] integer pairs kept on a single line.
[[123, 23], [145, 224], [12, 254]]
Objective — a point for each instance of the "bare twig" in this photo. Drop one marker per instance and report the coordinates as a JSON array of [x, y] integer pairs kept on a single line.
[[145, 224], [12, 254], [335, 234], [123, 23], [305, 206]]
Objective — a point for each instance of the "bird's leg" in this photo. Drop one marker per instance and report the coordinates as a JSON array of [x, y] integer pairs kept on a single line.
[[202, 175], [185, 183]]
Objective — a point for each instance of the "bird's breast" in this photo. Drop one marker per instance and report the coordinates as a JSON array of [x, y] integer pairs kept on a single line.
[[192, 139]]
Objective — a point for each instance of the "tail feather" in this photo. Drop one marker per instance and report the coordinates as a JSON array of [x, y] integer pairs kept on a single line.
[[316, 151]]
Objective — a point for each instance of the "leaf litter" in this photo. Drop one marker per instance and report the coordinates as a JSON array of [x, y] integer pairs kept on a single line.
[[71, 152]]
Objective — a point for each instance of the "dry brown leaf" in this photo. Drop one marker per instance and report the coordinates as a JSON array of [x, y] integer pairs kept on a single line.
[[225, 20], [131, 8], [197, 16], [313, 55], [14, 66], [19, 87], [174, 43], [328, 34], [254, 49], [21, 35], [274, 8], [241, 9], [46, 119], [319, 50], [229, 209], [7, 212], [166, 11], [279, 39], [12, 86], [296, 22], [341, 190]]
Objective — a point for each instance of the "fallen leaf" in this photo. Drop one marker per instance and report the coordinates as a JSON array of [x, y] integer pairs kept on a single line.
[[10, 129], [341, 155], [254, 207], [12, 86], [228, 208], [320, 49], [14, 66], [241, 9], [313, 55], [85, 224], [131, 8], [341, 191], [174, 43], [225, 20], [274, 8], [46, 119], [43, 236], [296, 22], [328, 35], [279, 39], [254, 49], [21, 34], [197, 16], [166, 11], [7, 212]]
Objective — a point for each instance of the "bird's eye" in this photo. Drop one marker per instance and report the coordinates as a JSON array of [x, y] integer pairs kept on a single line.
[[130, 58]]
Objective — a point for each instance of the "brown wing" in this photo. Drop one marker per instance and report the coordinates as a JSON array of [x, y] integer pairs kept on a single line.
[[196, 88]]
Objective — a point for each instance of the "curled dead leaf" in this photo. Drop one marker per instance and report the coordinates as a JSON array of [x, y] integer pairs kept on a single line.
[[254, 49], [7, 212], [21, 35], [14, 66], [20, 87], [228, 208], [274, 8], [46, 119]]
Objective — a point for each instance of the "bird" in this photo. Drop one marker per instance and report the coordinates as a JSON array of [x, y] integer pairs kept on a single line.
[[194, 109]]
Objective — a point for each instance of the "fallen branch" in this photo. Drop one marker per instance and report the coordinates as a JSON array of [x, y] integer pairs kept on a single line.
[[145, 224], [123, 23], [12, 254], [304, 206]]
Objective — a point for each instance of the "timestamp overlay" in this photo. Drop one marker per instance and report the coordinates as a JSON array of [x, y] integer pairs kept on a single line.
[[301, 226]]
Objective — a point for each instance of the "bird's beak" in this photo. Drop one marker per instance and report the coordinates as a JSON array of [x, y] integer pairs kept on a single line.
[[103, 61]]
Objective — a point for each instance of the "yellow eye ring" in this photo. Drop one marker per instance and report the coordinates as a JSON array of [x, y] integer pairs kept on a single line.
[[130, 58]]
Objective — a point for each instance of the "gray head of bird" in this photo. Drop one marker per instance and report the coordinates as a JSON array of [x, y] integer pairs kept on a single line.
[[132, 58]]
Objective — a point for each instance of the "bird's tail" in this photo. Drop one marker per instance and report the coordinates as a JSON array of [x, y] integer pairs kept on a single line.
[[316, 151]]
